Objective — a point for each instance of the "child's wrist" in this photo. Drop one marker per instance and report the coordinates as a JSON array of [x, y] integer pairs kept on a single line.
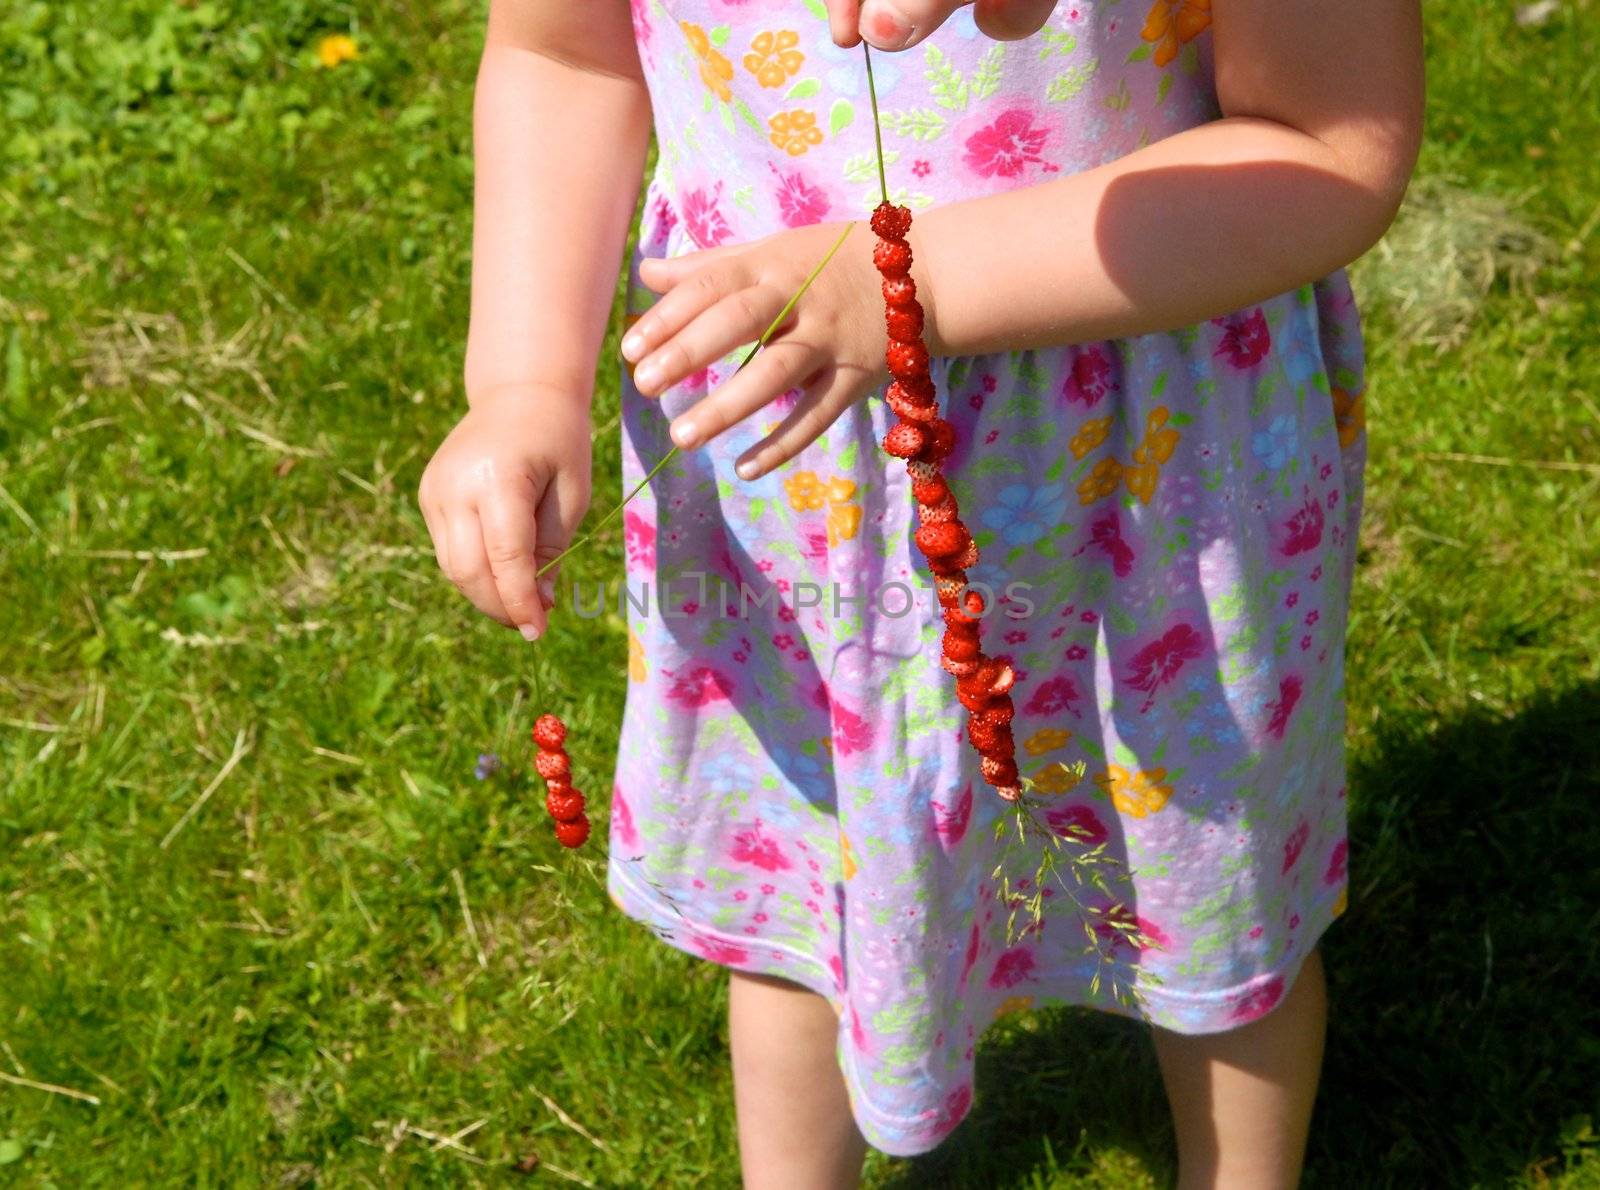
[[531, 394]]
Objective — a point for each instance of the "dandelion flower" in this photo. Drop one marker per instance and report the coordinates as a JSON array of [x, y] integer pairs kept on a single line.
[[337, 48]]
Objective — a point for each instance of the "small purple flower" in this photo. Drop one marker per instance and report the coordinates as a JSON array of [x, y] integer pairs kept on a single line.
[[488, 766]]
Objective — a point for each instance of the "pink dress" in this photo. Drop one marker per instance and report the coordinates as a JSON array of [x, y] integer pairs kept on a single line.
[[1176, 514]]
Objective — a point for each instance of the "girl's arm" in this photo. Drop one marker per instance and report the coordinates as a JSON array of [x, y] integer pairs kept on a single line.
[[1322, 105], [561, 124]]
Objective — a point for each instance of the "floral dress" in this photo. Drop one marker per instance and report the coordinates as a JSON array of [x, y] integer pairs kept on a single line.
[[1168, 522]]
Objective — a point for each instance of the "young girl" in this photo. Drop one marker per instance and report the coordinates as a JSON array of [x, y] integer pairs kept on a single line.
[[1130, 229]]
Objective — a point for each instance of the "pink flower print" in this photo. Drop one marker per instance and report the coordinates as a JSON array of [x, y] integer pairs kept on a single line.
[[836, 965], [1288, 695], [1079, 824], [1295, 844], [851, 733], [639, 539], [1008, 146], [1160, 661], [1245, 338], [1336, 862], [816, 544], [1258, 1002], [1076, 653], [800, 203], [921, 168], [759, 849], [1053, 697], [1303, 531], [956, 1105], [971, 959], [665, 219], [705, 224], [699, 687], [1012, 967], [1016, 636], [951, 825], [622, 819], [1106, 532], [858, 1031], [1089, 378], [721, 952]]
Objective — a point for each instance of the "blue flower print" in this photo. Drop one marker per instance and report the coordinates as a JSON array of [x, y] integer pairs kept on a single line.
[[1302, 358], [1023, 514], [1274, 446]]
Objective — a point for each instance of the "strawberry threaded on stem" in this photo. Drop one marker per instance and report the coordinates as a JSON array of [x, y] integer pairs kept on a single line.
[[562, 799], [924, 439]]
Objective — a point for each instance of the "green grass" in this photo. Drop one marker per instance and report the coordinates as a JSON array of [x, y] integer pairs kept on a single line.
[[232, 296]]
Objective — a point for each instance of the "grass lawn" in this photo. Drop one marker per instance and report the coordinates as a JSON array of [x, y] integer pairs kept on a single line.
[[253, 899]]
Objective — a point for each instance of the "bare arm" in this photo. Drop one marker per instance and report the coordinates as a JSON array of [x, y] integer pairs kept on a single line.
[[1322, 107], [561, 124]]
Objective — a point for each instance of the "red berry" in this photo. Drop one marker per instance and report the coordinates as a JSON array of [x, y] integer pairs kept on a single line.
[[566, 806], [999, 771], [909, 407], [941, 540], [1011, 793], [920, 470], [573, 834], [905, 322], [948, 568], [999, 711], [903, 440], [985, 737], [929, 491], [959, 669], [940, 513], [971, 697], [549, 732], [949, 588], [907, 361], [552, 766], [899, 291], [892, 257], [891, 222], [968, 559], [940, 442], [959, 646]]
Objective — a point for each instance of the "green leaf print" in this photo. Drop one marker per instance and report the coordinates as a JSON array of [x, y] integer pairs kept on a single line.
[[719, 35], [1121, 621], [987, 77], [745, 197], [726, 116], [918, 123], [1189, 59], [804, 89], [1057, 44], [841, 117], [817, 9], [758, 508], [1055, 469], [1065, 86], [1124, 756], [1162, 88], [863, 167], [1139, 52], [748, 116], [949, 88], [847, 457]]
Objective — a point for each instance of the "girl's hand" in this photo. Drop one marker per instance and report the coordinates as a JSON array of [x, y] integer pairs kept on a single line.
[[831, 348], [503, 495], [901, 24]]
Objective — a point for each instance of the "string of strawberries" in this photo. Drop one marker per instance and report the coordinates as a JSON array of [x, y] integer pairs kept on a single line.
[[924, 440]]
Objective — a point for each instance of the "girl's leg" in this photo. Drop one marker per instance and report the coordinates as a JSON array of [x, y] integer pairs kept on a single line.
[[1241, 1100], [795, 1127]]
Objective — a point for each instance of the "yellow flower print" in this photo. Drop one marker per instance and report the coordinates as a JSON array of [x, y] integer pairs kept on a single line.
[[794, 132], [1137, 793], [1349, 415], [805, 492], [1172, 24], [1014, 1004], [1342, 903], [716, 72], [847, 858], [844, 522], [337, 48], [1057, 778], [637, 670], [1046, 739], [1159, 443], [841, 489], [773, 58], [1101, 482], [1090, 435]]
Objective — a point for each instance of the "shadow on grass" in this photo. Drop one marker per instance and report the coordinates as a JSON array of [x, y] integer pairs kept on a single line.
[[1464, 1027]]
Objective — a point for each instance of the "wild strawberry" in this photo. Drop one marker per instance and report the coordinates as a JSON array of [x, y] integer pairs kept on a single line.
[[573, 834], [997, 771], [907, 361], [903, 440], [920, 470], [892, 258], [929, 491], [905, 322], [908, 407], [940, 442], [974, 698], [947, 568], [564, 807], [949, 589], [917, 391], [985, 737], [959, 646], [552, 766], [899, 292], [938, 541], [999, 711], [891, 222], [969, 558], [999, 676], [940, 513], [1011, 793], [549, 732]]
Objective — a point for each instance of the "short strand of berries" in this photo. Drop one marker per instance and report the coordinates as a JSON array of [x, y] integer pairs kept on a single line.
[[924, 440], [562, 798]]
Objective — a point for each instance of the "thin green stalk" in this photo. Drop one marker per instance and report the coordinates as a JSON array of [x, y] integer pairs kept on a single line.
[[766, 335], [877, 128]]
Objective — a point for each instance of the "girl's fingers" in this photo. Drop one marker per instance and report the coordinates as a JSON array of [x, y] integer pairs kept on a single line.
[[823, 401], [436, 533], [783, 364], [1012, 20], [510, 538], [737, 319], [661, 273], [844, 17], [469, 565], [682, 304]]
